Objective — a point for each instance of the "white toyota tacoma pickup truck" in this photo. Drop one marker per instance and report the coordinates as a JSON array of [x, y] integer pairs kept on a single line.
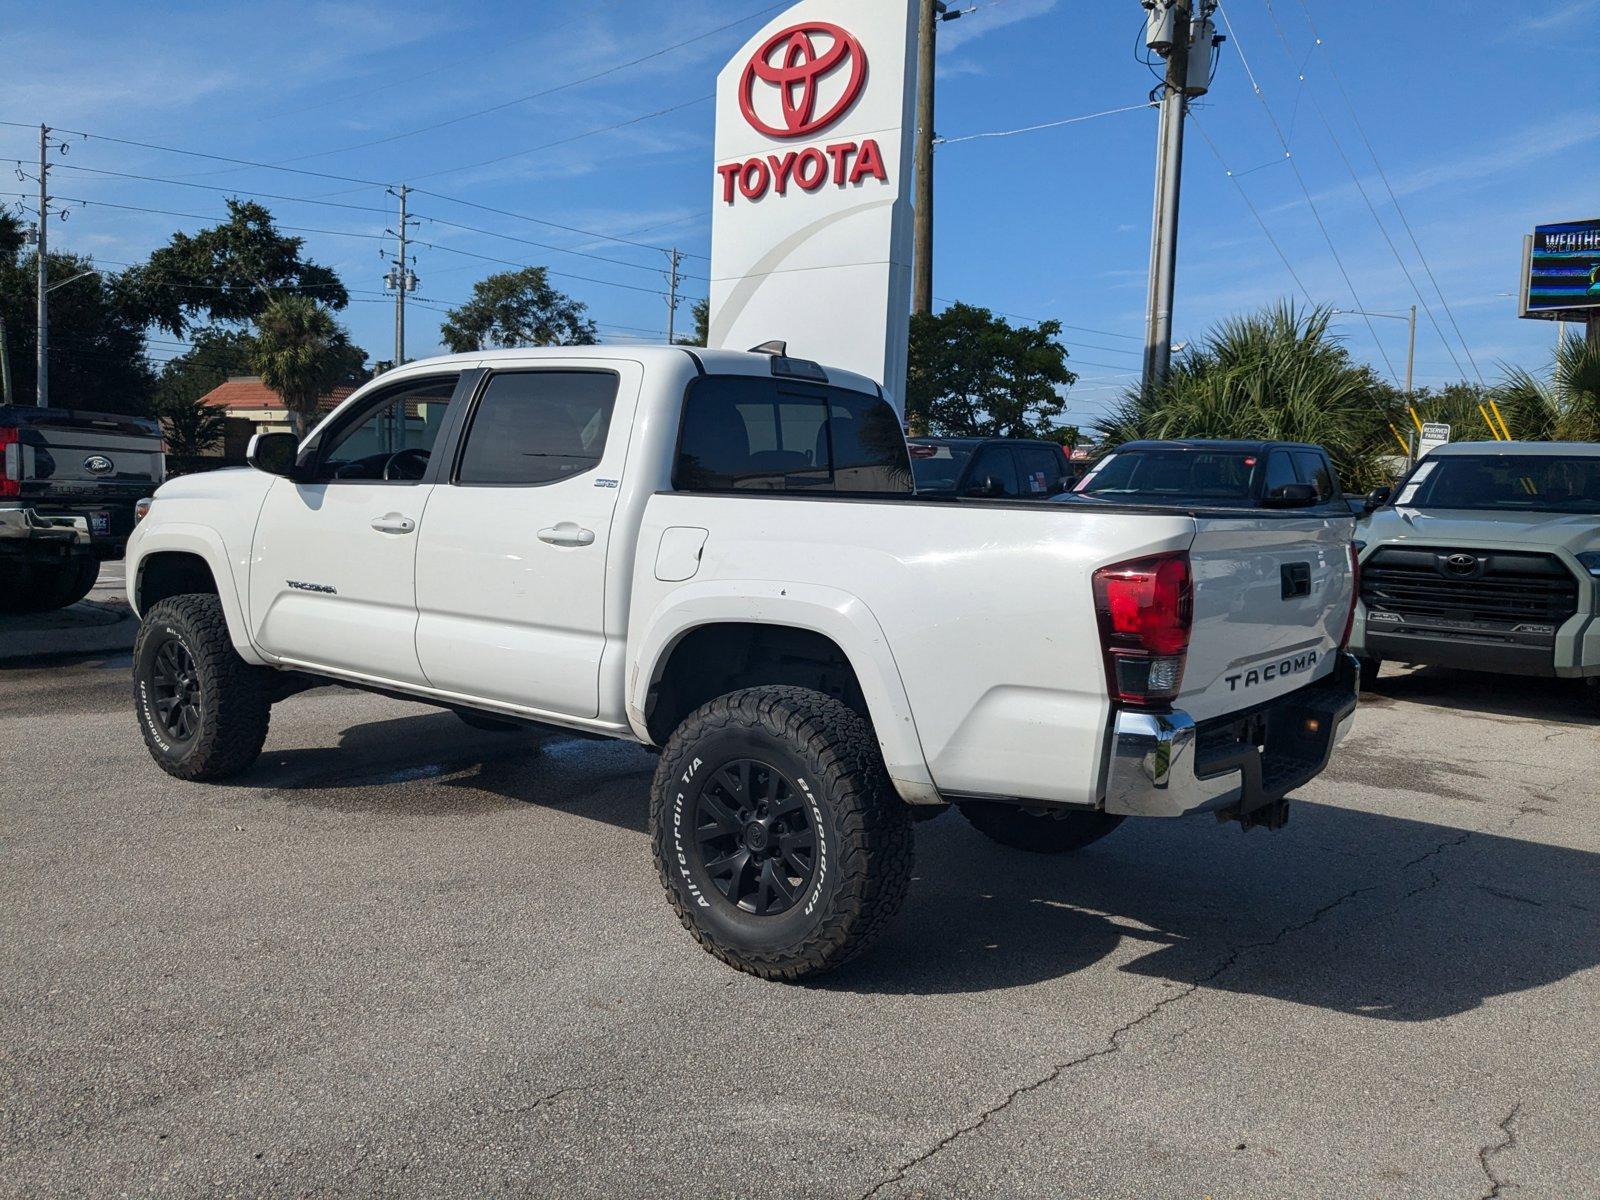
[[721, 555]]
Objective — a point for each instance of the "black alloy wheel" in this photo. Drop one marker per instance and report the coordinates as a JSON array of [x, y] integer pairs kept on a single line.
[[175, 687], [754, 837]]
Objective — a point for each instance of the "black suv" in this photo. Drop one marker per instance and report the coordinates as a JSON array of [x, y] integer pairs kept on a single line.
[[1217, 474], [994, 468]]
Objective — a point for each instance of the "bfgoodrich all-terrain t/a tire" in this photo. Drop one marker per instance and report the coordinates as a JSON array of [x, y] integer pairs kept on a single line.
[[1053, 832], [202, 709], [780, 841]]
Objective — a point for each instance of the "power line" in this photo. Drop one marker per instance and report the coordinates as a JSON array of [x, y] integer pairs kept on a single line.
[[577, 137], [1250, 204], [1040, 320], [1360, 187], [1305, 190], [1393, 198], [554, 274], [510, 237], [516, 216], [494, 108], [1001, 133], [242, 162], [324, 200]]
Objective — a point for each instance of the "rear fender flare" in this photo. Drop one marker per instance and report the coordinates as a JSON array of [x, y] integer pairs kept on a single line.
[[842, 618]]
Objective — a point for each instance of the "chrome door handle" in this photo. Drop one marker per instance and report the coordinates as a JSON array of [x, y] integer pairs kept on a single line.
[[394, 523], [567, 534]]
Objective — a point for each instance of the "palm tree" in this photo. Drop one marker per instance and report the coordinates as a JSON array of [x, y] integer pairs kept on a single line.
[[301, 353], [1565, 407], [1278, 375], [191, 426]]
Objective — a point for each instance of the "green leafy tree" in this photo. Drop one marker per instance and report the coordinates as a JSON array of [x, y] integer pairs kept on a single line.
[[514, 309], [702, 325], [973, 374], [216, 354], [1278, 375], [191, 426], [231, 272], [301, 353], [97, 354]]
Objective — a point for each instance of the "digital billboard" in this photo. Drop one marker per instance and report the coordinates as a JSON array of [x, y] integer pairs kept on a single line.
[[1561, 270]]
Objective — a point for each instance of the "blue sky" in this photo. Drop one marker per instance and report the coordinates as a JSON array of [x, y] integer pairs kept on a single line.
[[1477, 112]]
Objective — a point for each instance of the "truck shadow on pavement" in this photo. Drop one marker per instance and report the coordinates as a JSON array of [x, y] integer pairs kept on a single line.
[[1558, 701], [1353, 911], [1364, 914]]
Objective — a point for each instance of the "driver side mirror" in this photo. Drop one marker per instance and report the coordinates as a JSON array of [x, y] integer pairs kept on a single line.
[[1377, 498], [274, 453], [1291, 495]]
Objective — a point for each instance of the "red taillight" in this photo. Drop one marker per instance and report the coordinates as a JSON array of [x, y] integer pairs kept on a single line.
[[10, 463], [1355, 594], [1146, 609]]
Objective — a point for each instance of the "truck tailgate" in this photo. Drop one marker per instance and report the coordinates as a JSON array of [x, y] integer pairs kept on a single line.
[[1272, 599]]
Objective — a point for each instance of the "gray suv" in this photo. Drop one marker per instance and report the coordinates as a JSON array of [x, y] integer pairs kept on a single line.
[[1486, 557]]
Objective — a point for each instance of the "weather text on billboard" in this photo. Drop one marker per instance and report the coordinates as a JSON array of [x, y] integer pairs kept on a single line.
[[1564, 268]]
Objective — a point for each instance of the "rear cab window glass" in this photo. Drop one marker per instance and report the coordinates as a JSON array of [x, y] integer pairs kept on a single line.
[[752, 434], [538, 427]]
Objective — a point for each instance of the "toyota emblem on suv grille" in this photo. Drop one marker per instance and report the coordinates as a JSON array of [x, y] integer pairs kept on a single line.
[[1463, 564]]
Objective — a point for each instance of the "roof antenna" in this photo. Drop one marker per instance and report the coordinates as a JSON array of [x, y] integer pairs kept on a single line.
[[775, 348]]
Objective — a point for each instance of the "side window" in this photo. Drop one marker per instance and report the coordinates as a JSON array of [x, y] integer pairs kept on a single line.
[[538, 427], [995, 467], [1280, 470], [1044, 470], [749, 434], [393, 440], [1315, 470]]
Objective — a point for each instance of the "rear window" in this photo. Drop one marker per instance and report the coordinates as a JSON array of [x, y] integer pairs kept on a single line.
[[1161, 476], [747, 434]]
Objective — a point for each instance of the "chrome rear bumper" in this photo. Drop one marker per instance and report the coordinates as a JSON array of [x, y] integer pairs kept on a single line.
[[1166, 765]]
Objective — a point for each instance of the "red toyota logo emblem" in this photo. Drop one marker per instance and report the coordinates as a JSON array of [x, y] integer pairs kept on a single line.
[[790, 62]]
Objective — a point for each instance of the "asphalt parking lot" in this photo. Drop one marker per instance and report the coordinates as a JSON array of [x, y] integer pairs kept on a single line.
[[402, 956]]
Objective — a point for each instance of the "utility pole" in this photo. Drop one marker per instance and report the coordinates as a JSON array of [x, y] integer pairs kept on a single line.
[[401, 278], [42, 398], [927, 57], [5, 364], [675, 259], [1169, 182], [931, 14], [1411, 355]]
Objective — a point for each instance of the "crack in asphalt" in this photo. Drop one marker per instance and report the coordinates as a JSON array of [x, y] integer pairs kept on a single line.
[[1113, 1044], [1497, 1184]]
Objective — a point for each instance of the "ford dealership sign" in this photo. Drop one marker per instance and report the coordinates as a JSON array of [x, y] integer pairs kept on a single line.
[[811, 234]]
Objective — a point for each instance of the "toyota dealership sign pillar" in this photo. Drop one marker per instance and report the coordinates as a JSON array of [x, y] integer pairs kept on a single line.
[[811, 237]]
